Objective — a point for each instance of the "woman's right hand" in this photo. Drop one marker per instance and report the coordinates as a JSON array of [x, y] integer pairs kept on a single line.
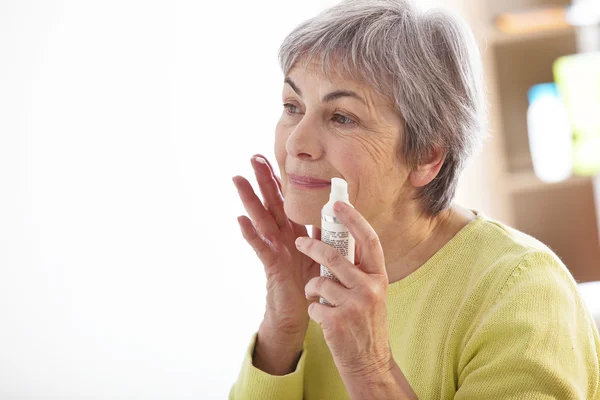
[[272, 236]]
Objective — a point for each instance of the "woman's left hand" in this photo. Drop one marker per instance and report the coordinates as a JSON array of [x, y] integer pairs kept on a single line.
[[355, 326]]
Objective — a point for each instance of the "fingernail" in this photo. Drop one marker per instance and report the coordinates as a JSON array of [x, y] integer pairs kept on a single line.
[[339, 206], [300, 242], [261, 160]]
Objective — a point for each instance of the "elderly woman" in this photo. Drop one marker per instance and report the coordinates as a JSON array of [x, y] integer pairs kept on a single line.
[[441, 302]]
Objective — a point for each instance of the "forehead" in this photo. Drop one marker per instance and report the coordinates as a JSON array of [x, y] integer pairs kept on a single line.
[[314, 70], [311, 76]]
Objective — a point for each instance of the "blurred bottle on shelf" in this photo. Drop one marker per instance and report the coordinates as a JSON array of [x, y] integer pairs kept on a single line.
[[578, 79], [585, 16], [549, 131]]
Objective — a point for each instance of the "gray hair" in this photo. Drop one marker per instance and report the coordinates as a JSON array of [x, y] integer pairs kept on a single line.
[[426, 63]]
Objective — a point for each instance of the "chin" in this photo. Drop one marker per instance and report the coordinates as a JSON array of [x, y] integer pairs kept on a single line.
[[303, 215]]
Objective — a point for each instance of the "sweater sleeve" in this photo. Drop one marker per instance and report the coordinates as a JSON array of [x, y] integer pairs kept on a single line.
[[253, 383], [535, 341]]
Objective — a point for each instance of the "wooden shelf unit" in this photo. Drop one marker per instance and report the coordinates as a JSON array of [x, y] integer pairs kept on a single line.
[[564, 215], [495, 36]]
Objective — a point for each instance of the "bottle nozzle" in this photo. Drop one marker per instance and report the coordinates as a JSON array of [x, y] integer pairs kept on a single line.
[[339, 190]]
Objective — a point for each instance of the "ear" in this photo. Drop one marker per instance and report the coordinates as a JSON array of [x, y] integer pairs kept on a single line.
[[428, 169]]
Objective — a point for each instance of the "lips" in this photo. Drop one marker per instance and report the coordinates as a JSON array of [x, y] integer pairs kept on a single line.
[[308, 180]]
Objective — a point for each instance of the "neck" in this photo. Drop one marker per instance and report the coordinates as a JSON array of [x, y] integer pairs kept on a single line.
[[409, 238]]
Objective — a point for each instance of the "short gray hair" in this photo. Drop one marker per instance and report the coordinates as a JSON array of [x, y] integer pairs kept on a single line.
[[426, 63]]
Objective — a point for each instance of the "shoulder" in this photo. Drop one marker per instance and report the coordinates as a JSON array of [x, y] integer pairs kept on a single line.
[[499, 236], [512, 274], [532, 323], [502, 254]]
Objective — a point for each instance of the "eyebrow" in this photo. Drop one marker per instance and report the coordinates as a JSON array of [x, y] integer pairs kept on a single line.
[[330, 96]]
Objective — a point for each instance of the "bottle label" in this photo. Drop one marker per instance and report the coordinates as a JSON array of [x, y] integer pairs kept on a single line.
[[337, 236]]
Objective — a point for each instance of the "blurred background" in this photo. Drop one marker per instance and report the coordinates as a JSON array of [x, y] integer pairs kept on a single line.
[[123, 273]]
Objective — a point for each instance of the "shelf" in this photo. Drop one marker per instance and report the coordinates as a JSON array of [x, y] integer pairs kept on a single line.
[[563, 216], [528, 181], [518, 67], [495, 36]]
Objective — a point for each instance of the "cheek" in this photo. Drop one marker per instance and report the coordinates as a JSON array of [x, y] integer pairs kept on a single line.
[[279, 149], [283, 130], [369, 165], [356, 153], [377, 152], [280, 136]]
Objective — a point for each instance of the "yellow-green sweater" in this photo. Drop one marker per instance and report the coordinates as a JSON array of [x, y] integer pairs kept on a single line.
[[494, 314]]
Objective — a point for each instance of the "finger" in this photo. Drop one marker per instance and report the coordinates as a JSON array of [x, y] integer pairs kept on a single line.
[[259, 245], [371, 252], [298, 229], [277, 179], [348, 274], [273, 199], [319, 312], [262, 219], [357, 254], [333, 292], [316, 233]]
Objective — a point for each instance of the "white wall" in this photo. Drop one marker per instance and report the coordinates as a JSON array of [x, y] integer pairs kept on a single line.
[[123, 274]]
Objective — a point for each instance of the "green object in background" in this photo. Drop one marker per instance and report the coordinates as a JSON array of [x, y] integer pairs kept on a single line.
[[578, 79]]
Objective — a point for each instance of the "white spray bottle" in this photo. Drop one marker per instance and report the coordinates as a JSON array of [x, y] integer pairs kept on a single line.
[[333, 232]]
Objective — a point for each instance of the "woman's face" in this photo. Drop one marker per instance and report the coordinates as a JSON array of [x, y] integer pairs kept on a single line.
[[339, 128]]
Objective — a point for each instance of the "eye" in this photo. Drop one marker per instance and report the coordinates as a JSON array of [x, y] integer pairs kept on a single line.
[[342, 119], [290, 108]]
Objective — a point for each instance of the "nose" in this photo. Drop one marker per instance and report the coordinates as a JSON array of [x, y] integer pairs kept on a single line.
[[305, 140]]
